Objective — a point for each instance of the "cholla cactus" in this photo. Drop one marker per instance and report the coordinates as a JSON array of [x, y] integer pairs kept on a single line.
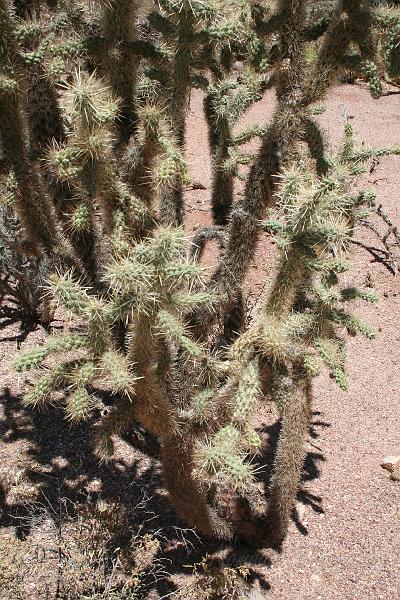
[[300, 326], [207, 436], [148, 290], [101, 189]]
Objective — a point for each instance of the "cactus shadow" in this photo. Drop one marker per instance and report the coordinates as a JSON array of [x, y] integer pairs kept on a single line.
[[9, 316], [58, 462], [59, 456]]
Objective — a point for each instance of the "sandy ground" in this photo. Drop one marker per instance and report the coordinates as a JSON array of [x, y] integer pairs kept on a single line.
[[345, 543]]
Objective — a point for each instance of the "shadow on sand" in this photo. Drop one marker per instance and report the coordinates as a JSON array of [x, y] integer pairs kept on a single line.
[[60, 462]]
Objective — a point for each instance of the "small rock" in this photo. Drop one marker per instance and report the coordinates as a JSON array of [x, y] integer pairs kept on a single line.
[[390, 463], [300, 511], [395, 474], [245, 591], [250, 593]]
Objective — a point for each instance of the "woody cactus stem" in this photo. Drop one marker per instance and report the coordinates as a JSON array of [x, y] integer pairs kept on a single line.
[[186, 492], [289, 458], [152, 409], [158, 415], [120, 63], [292, 386], [219, 139], [142, 153], [171, 201], [44, 115], [181, 70], [152, 159], [32, 203]]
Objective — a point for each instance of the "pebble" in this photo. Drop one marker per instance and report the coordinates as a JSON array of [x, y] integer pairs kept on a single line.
[[390, 462]]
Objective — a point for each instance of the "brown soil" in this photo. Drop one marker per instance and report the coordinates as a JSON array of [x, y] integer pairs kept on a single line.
[[345, 540]]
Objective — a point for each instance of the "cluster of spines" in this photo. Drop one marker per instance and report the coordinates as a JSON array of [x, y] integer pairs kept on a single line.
[[152, 283]]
